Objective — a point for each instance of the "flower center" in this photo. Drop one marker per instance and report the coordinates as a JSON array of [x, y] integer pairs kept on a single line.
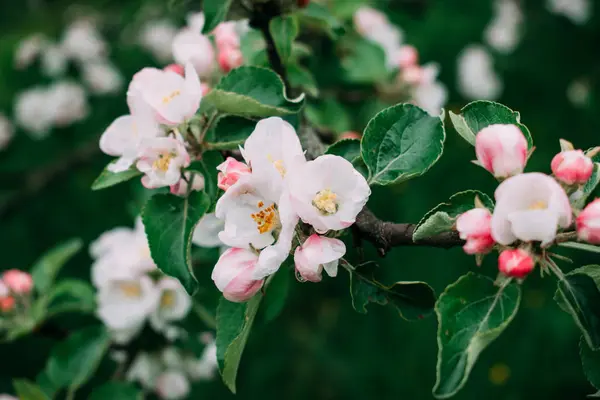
[[538, 205], [326, 202], [131, 290], [163, 162], [167, 300], [266, 219], [167, 99], [278, 164]]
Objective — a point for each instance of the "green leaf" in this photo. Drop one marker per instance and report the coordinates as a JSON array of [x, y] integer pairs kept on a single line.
[[45, 269], [69, 296], [302, 78], [579, 198], [284, 30], [234, 322], [472, 313], [581, 246], [579, 295], [207, 166], [229, 132], [346, 148], [590, 361], [443, 217], [117, 391], [400, 143], [108, 179], [215, 12], [413, 300], [170, 221], [73, 361], [276, 296], [253, 48], [45, 384], [27, 390], [328, 114], [253, 92], [364, 63], [478, 114], [320, 16]]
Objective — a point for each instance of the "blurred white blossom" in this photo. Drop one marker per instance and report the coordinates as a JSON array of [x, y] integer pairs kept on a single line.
[[578, 11], [6, 131], [82, 41], [578, 92], [32, 112], [430, 94], [54, 61], [67, 102], [503, 31], [157, 36], [29, 49], [102, 77], [477, 79]]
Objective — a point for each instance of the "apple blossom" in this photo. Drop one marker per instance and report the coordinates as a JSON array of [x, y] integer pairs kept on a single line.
[[207, 231], [501, 149], [194, 48], [578, 11], [32, 112], [83, 42], [196, 21], [328, 193], [29, 49], [477, 78], [429, 93], [230, 58], [578, 92], [172, 385], [7, 397], [572, 167], [173, 305], [161, 160], [407, 56], [124, 305], [157, 36], [144, 369], [7, 302], [177, 68], [474, 226], [181, 187], [503, 32], [230, 172], [67, 101], [367, 19], [233, 274], [318, 253], [226, 36], [18, 282], [529, 207], [412, 75], [6, 131], [173, 98], [102, 77], [54, 60], [515, 263], [588, 223], [205, 366]]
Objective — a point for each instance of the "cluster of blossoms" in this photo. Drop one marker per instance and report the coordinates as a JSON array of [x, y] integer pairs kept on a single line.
[[530, 207], [266, 198], [420, 80], [15, 290]]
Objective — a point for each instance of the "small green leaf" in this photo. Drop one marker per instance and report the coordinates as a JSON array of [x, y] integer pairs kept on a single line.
[[276, 296], [284, 30], [27, 390], [71, 295], [207, 166], [443, 217], [478, 114], [319, 15], [73, 361], [413, 300], [234, 322], [45, 269], [346, 148], [229, 132], [364, 63], [45, 384], [400, 143], [253, 92], [117, 391], [579, 198], [328, 114], [215, 12], [108, 179], [472, 313], [301, 77], [579, 295], [170, 221], [590, 361], [581, 246]]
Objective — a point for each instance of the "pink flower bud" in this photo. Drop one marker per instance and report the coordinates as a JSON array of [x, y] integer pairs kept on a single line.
[[226, 36], [350, 135], [7, 303], [205, 88], [588, 223], [230, 171], [501, 149], [475, 227], [572, 167], [177, 68], [230, 58], [18, 281], [412, 75], [316, 253], [407, 56], [515, 263], [233, 274]]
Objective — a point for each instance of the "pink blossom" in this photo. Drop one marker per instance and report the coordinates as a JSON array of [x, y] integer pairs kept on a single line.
[[230, 171], [572, 167], [412, 75], [501, 149], [233, 274], [588, 223], [515, 263], [230, 58], [18, 281], [350, 135], [177, 68], [407, 56], [161, 160], [226, 36], [475, 227], [316, 253]]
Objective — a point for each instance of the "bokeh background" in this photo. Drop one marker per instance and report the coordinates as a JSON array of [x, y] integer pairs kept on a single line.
[[319, 347]]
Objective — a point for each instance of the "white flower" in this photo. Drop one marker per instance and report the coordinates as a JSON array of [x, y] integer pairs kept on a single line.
[[196, 21], [6, 131], [83, 42], [124, 305], [205, 366], [578, 11], [366, 19], [68, 103], [28, 49], [318, 253], [102, 77], [476, 76], [502, 33], [172, 385], [145, 369], [529, 207], [375, 26], [157, 37], [173, 98], [54, 60], [32, 112], [328, 193], [161, 160], [207, 231], [174, 304], [578, 92], [190, 46], [430, 94]]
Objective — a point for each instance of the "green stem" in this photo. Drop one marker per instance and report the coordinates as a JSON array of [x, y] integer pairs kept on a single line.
[[205, 316]]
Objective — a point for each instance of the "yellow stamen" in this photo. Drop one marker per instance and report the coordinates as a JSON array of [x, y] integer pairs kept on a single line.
[[278, 164], [167, 300], [130, 289], [266, 219], [170, 97], [163, 162], [538, 205], [326, 202]]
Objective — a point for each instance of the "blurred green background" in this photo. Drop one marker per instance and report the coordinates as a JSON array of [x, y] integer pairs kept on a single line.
[[319, 347]]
